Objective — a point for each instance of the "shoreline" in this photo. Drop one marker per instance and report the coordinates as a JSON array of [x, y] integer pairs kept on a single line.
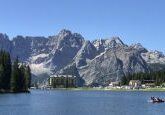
[[11, 92], [108, 89], [91, 89]]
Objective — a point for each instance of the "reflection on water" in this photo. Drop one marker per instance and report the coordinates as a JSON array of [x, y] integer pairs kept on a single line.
[[64, 102]]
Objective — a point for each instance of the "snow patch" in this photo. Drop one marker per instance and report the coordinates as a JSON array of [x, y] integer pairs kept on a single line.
[[38, 69], [99, 55], [34, 58]]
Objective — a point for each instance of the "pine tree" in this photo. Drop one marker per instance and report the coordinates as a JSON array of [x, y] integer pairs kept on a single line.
[[5, 62], [7, 72], [15, 76], [29, 76], [1, 76], [21, 78], [123, 80]]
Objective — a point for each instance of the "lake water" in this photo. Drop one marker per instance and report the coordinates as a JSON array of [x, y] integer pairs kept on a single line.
[[65, 102]]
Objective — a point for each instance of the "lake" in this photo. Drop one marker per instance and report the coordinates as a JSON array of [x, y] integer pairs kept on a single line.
[[68, 102]]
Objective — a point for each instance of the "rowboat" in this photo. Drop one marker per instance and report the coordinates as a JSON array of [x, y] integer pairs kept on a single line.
[[157, 100]]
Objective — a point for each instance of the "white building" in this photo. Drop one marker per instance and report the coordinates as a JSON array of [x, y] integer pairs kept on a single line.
[[114, 84], [135, 84]]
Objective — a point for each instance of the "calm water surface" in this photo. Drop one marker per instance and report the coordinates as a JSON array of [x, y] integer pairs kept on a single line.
[[63, 102]]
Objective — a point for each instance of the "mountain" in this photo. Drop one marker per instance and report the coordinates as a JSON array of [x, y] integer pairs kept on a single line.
[[5, 43], [110, 60], [155, 59], [93, 62]]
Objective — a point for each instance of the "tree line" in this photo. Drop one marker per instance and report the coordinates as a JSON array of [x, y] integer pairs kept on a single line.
[[14, 77], [158, 77]]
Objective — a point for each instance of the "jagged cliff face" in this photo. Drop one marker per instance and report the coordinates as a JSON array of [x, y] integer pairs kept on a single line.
[[5, 43], [44, 55], [112, 64], [99, 61], [109, 61], [154, 57]]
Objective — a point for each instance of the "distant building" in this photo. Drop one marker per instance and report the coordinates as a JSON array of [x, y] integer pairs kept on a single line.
[[135, 84], [62, 81], [148, 83], [114, 84]]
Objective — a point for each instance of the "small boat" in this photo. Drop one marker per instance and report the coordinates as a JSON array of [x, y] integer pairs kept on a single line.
[[157, 100], [161, 101]]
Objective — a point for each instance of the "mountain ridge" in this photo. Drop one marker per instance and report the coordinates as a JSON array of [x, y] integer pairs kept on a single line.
[[92, 61]]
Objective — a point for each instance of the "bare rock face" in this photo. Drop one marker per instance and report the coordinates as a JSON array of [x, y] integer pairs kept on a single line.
[[112, 65], [25, 47], [152, 57], [139, 47], [96, 62], [86, 53], [44, 55], [67, 47], [109, 60], [5, 43]]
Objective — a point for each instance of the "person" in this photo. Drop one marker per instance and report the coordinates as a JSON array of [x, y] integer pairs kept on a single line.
[[156, 99], [153, 98], [160, 100]]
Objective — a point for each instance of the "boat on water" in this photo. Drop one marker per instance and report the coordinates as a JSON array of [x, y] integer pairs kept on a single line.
[[157, 100]]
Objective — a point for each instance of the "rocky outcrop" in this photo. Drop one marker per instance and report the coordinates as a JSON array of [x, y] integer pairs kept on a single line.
[[5, 43], [139, 47], [86, 53], [116, 61], [154, 57]]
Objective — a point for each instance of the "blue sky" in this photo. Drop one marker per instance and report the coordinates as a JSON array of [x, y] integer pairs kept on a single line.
[[132, 20]]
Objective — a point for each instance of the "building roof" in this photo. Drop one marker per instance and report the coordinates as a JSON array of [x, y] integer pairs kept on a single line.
[[150, 84], [134, 81], [116, 82], [62, 76], [149, 80]]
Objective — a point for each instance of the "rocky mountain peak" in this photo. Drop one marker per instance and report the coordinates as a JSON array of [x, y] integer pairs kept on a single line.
[[5, 43], [139, 47], [68, 34], [117, 40], [158, 53], [105, 44], [4, 36], [154, 57], [64, 32], [66, 38], [18, 38]]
